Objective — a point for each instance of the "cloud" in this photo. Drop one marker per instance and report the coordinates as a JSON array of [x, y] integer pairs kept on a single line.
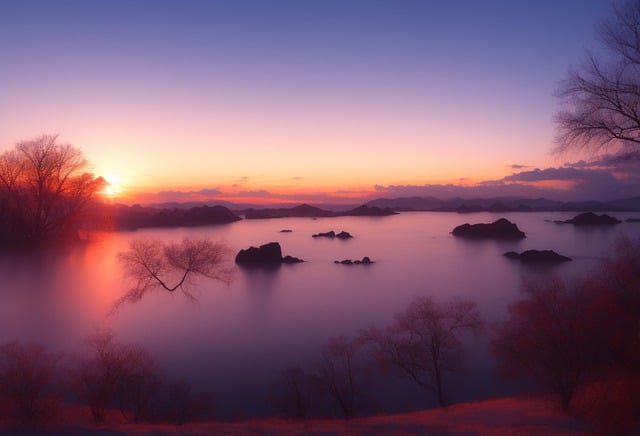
[[562, 173], [568, 183], [518, 166]]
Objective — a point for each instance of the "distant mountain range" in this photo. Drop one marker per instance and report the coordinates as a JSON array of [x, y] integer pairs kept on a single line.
[[305, 210], [198, 213], [503, 204]]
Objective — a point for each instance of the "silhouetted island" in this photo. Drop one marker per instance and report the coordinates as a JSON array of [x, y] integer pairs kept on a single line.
[[266, 255], [331, 234], [365, 261], [537, 256], [307, 211], [136, 217], [591, 219], [500, 229]]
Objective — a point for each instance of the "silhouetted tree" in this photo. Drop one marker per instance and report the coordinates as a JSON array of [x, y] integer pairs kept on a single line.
[[113, 372], [601, 99], [44, 189], [559, 335], [343, 374], [29, 381], [139, 384], [182, 405], [294, 394], [153, 264], [423, 342]]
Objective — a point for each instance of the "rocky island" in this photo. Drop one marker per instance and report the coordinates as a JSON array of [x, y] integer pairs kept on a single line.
[[537, 256], [365, 261], [500, 229], [266, 255], [591, 219], [331, 234]]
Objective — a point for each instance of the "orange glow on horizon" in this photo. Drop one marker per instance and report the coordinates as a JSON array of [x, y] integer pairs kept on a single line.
[[559, 185], [114, 187]]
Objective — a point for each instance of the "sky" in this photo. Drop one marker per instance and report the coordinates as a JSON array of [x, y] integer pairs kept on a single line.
[[303, 100]]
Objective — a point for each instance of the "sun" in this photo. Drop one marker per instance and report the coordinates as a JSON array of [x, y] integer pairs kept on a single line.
[[113, 187]]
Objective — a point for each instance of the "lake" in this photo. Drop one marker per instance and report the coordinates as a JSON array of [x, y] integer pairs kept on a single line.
[[236, 339]]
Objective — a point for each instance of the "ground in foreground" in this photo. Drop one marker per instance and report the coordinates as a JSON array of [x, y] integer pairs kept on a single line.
[[514, 416]]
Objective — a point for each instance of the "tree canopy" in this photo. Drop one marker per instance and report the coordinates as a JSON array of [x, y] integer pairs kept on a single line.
[[44, 189]]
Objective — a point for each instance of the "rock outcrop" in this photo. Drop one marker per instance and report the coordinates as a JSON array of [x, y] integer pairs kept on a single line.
[[537, 256], [365, 261], [266, 255], [331, 234], [500, 229]]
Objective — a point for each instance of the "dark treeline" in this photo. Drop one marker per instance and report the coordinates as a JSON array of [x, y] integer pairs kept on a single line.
[[109, 376]]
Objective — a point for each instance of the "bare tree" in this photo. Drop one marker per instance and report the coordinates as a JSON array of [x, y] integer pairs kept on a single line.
[[28, 380], [343, 374], [139, 384], [113, 373], [600, 100], [294, 394], [423, 342], [153, 264], [559, 335], [44, 188], [182, 405]]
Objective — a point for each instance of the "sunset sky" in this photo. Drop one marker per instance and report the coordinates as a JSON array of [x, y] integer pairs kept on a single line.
[[302, 99]]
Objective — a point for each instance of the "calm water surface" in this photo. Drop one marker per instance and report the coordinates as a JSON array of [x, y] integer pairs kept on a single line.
[[236, 339]]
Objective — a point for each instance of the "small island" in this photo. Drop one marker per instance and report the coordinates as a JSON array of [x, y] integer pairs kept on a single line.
[[591, 219], [364, 261], [500, 229], [537, 256], [266, 255], [331, 234]]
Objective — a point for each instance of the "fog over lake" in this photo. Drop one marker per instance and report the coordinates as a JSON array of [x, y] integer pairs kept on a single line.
[[236, 339]]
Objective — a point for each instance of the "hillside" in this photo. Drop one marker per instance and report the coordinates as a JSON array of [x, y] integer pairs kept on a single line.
[[514, 416]]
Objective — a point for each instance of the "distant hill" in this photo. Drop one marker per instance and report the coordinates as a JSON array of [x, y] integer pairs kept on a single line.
[[307, 211], [135, 217], [503, 204], [304, 210], [387, 206]]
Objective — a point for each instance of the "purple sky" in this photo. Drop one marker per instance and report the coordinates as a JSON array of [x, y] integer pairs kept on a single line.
[[314, 98]]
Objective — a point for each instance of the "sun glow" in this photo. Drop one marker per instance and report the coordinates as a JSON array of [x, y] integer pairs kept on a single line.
[[113, 187]]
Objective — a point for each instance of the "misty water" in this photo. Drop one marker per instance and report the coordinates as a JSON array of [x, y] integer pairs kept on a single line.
[[236, 339]]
